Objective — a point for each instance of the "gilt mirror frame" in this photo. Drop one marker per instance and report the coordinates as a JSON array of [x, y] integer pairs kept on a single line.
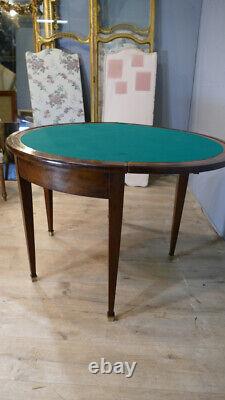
[[30, 8], [18, 7]]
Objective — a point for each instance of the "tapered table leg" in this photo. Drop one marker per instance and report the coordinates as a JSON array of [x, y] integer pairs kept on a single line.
[[49, 210], [6, 170], [116, 195], [28, 221], [181, 189], [2, 180]]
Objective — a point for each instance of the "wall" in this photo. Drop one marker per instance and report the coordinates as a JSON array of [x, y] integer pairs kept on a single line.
[[177, 27], [208, 106]]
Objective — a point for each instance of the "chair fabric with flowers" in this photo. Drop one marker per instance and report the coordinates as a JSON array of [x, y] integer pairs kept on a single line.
[[55, 87], [56, 96]]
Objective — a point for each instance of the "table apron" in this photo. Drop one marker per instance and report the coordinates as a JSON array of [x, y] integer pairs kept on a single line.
[[82, 181]]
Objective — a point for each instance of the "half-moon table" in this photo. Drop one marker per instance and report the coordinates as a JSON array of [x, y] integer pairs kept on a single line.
[[92, 160]]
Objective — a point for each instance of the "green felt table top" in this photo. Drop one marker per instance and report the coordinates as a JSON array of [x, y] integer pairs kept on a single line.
[[115, 142]]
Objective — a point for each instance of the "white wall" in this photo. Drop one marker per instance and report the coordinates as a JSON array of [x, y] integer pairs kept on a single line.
[[208, 106]]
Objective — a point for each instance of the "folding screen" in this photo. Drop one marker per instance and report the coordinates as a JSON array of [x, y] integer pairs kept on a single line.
[[100, 37]]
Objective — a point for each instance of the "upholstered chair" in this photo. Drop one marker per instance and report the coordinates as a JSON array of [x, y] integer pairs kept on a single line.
[[55, 87], [56, 96]]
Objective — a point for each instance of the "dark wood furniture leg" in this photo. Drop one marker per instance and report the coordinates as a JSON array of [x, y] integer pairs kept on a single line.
[[28, 221], [181, 189], [2, 180], [116, 195], [6, 169], [49, 210]]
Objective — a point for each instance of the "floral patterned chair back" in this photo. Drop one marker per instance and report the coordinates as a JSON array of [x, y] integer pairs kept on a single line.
[[55, 87]]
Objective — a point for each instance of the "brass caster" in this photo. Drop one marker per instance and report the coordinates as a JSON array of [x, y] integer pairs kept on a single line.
[[111, 317], [34, 278], [51, 233]]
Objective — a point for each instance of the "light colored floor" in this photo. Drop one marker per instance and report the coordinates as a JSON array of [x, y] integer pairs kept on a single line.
[[171, 312]]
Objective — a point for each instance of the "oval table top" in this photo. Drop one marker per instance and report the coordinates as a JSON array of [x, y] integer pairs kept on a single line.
[[134, 148]]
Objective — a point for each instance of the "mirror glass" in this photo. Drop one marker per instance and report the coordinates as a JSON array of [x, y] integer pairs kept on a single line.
[[16, 37], [74, 17], [125, 11], [66, 17]]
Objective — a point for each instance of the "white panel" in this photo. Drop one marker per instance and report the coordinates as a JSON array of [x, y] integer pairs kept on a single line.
[[129, 93]]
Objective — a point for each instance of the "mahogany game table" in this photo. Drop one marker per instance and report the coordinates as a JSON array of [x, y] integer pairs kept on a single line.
[[91, 159]]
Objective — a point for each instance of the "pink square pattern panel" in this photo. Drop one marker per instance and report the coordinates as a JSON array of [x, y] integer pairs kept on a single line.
[[121, 87], [137, 60], [143, 82], [115, 69]]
